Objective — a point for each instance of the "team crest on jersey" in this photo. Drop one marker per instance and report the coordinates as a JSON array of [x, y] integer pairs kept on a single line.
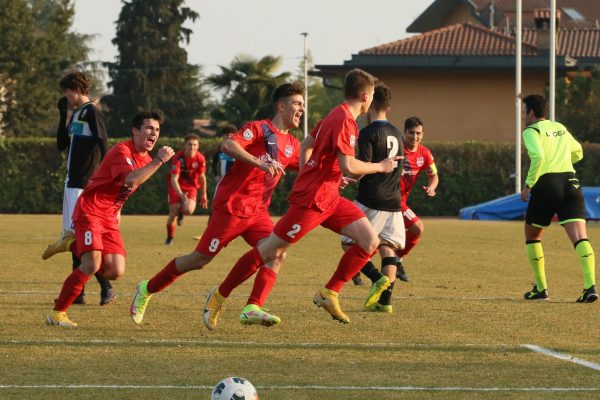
[[420, 161], [352, 140], [248, 134], [288, 151]]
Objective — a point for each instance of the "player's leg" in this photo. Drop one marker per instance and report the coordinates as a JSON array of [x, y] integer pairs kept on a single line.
[[173, 212], [190, 205], [414, 229]]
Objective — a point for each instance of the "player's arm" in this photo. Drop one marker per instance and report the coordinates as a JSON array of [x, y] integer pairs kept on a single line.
[[306, 149], [576, 150], [62, 132], [434, 180], [137, 177], [203, 198], [536, 155], [235, 150], [175, 185], [352, 166]]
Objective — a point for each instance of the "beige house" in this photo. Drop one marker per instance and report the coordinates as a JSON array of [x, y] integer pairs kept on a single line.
[[458, 73]]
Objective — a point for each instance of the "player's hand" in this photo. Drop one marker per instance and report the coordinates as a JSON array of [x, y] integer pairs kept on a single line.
[[271, 166], [346, 180], [525, 193], [165, 153], [429, 191], [204, 201], [63, 106], [389, 164]]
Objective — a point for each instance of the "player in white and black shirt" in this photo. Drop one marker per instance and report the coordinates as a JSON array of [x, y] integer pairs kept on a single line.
[[85, 139], [379, 198]]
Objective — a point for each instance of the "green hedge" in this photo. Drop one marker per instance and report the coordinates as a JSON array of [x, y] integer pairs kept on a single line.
[[32, 173]]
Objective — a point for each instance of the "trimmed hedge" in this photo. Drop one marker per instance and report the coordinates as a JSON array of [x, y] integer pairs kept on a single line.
[[32, 173]]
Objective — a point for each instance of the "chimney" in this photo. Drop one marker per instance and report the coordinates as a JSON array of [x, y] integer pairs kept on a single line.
[[541, 17]]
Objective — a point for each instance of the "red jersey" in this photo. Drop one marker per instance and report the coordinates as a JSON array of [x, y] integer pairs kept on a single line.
[[188, 169], [246, 190], [415, 162], [105, 193], [318, 184]]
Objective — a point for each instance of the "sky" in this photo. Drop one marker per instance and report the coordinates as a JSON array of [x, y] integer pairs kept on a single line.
[[227, 28]]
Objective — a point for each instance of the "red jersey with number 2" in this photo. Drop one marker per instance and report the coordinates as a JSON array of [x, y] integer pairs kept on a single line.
[[104, 195]]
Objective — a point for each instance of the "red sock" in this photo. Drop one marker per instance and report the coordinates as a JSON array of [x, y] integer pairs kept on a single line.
[[70, 290], [411, 241], [171, 230], [350, 263], [263, 284], [164, 278], [246, 266]]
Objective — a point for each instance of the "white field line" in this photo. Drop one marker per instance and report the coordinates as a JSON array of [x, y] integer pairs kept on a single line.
[[317, 387], [561, 356]]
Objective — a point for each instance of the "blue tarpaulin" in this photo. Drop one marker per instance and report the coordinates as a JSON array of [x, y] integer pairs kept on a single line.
[[512, 208]]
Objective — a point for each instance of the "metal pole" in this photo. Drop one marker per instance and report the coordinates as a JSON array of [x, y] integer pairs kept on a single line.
[[552, 88], [518, 104], [305, 34]]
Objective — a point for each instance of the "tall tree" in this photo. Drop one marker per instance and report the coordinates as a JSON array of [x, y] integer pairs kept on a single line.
[[152, 72], [37, 49], [247, 85]]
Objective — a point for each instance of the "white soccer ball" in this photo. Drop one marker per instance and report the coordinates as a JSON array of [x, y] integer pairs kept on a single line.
[[234, 388]]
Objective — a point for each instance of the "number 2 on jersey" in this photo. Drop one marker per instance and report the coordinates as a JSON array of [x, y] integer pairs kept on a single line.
[[392, 145], [295, 229]]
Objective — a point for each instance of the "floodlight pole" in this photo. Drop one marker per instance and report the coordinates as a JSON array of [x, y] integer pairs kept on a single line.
[[305, 34], [518, 103], [552, 86]]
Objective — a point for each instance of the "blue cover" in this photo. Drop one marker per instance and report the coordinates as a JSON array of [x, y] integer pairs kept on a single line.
[[512, 208]]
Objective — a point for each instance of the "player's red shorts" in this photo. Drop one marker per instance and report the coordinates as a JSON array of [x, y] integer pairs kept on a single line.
[[190, 192], [299, 220], [410, 218], [223, 227], [95, 234]]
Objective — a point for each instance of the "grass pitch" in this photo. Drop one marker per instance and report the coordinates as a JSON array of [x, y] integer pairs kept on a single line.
[[457, 332]]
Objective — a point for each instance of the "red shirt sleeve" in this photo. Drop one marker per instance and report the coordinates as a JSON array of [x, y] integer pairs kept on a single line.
[[121, 163], [249, 134], [346, 138]]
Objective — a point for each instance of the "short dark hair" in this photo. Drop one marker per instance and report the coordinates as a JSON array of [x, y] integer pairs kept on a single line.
[[382, 98], [412, 122], [138, 119], [286, 90], [356, 82], [537, 104], [227, 129], [75, 81], [191, 136]]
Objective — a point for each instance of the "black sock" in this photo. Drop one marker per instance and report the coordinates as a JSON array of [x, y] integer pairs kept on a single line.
[[386, 296], [371, 271]]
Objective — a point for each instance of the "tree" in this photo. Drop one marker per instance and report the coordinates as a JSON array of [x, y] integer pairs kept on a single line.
[[578, 104], [37, 49], [152, 72], [247, 85]]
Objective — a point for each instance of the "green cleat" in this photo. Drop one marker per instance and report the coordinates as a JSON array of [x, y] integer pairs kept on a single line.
[[139, 303], [384, 308], [254, 315], [375, 292], [213, 307]]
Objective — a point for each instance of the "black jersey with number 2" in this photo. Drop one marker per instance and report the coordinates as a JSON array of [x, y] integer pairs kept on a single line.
[[376, 142]]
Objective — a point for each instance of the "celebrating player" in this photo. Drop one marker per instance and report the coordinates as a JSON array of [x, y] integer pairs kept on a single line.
[[554, 189], [86, 141], [186, 176], [96, 217], [417, 158], [262, 150]]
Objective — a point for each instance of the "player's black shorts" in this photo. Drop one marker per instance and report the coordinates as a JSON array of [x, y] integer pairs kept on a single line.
[[555, 193]]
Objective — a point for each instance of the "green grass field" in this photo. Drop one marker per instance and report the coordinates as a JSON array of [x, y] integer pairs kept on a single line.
[[458, 330]]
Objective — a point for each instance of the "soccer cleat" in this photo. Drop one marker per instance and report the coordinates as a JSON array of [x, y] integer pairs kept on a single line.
[[107, 295], [400, 272], [254, 315], [357, 280], [169, 241], [384, 308], [59, 318], [534, 294], [376, 289], [212, 308], [328, 300], [60, 246], [80, 299], [197, 237], [588, 295], [139, 303]]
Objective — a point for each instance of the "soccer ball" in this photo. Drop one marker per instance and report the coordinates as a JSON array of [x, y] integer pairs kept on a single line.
[[234, 388]]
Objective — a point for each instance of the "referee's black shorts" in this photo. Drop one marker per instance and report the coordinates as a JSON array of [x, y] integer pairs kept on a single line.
[[555, 193]]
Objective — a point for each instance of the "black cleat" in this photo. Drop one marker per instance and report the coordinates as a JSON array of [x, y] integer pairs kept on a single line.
[[400, 272], [107, 295], [169, 241], [534, 294], [588, 295], [80, 299], [357, 280]]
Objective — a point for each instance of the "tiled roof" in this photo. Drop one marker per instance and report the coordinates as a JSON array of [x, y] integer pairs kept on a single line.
[[460, 39], [467, 39]]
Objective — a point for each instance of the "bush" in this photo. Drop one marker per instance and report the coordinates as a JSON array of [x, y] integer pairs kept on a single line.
[[33, 172]]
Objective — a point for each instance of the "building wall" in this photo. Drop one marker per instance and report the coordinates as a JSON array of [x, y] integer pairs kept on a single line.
[[460, 106]]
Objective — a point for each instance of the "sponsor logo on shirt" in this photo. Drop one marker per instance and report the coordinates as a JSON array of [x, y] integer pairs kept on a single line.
[[248, 134], [420, 161], [288, 151], [352, 140]]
